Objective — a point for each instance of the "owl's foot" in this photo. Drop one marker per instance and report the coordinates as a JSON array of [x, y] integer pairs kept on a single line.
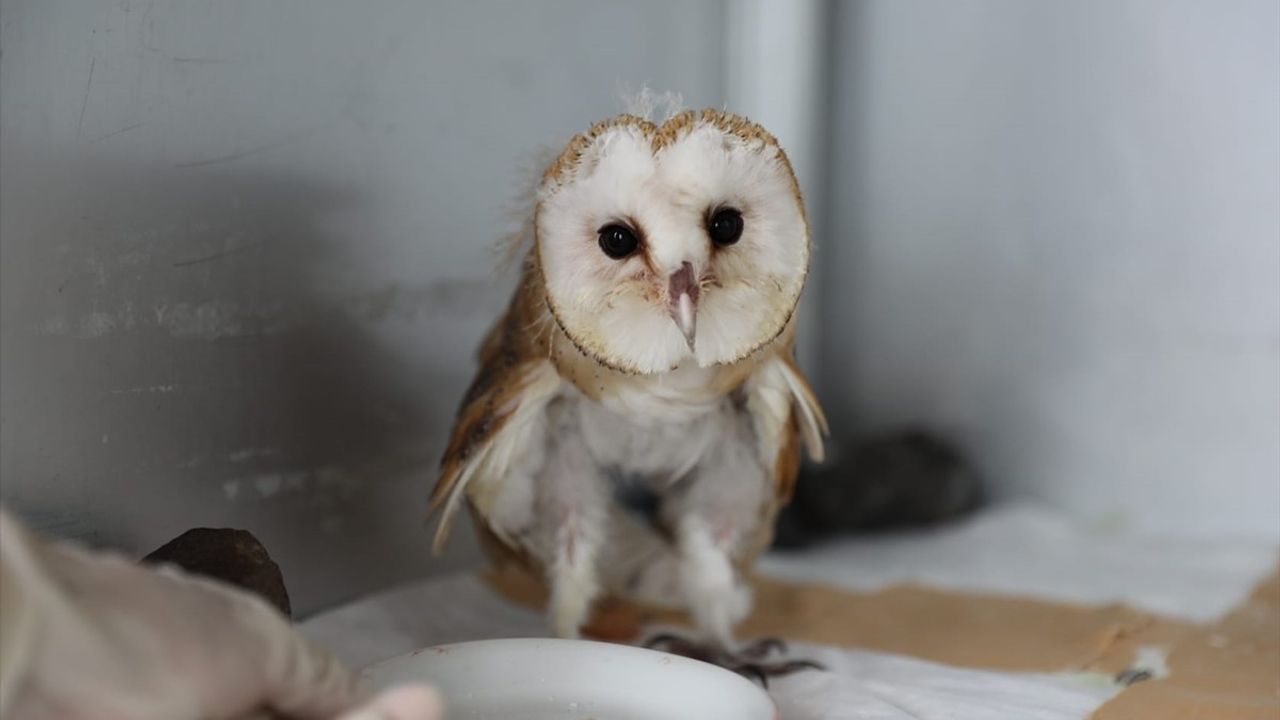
[[752, 661]]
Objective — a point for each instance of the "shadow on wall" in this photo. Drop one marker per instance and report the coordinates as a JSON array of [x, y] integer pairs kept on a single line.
[[185, 346]]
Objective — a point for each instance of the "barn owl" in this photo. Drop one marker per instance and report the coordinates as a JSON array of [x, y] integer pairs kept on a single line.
[[636, 420]]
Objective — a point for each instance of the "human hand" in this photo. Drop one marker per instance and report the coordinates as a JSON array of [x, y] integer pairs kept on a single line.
[[94, 635]]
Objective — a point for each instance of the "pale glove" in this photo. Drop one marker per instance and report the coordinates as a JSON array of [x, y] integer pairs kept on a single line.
[[89, 635]]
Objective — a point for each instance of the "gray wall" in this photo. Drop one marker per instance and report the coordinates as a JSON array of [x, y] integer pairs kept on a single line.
[[248, 251], [246, 247], [1061, 244]]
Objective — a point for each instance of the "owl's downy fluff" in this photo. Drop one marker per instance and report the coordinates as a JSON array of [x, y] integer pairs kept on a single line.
[[646, 353]]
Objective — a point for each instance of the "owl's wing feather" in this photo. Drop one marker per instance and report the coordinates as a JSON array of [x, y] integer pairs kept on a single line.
[[813, 421], [502, 408], [452, 488], [493, 426], [784, 412]]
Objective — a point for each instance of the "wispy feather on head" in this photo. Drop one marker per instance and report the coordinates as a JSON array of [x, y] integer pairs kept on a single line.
[[656, 107]]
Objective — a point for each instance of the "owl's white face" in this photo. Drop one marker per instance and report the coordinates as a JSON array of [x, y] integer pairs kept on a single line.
[[664, 244]]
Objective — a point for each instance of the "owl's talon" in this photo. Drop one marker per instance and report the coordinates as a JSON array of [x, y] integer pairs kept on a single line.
[[748, 662], [763, 648], [753, 672], [662, 639], [684, 647], [794, 666], [761, 672]]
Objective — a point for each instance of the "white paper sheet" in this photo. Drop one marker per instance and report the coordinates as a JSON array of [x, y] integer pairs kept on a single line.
[[1028, 551], [874, 686], [1018, 550], [858, 684]]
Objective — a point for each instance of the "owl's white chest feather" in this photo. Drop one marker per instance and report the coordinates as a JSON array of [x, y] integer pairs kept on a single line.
[[659, 425], [695, 449], [679, 396]]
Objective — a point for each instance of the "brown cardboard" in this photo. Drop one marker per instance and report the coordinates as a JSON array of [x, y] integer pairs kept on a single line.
[[961, 629], [1228, 670]]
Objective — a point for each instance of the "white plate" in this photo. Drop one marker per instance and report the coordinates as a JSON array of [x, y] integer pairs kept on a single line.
[[536, 679]]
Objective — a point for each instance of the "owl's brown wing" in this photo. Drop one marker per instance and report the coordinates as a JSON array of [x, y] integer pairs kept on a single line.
[[500, 410], [785, 414]]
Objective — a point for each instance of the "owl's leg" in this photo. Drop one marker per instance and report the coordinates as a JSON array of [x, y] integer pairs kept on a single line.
[[572, 507], [717, 601], [713, 594], [714, 513], [718, 515], [572, 575]]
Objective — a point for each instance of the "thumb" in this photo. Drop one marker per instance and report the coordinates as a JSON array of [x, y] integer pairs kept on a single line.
[[310, 683], [298, 679], [407, 702]]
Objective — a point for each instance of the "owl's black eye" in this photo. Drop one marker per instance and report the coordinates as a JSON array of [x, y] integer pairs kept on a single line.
[[618, 241], [725, 226]]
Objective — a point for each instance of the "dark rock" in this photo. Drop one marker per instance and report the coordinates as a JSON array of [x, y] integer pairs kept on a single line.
[[232, 556], [899, 479]]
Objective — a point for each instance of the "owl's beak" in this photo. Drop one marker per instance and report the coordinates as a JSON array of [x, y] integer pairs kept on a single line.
[[683, 294]]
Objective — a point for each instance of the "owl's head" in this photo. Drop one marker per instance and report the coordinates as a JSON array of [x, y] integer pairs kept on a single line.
[[661, 244]]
